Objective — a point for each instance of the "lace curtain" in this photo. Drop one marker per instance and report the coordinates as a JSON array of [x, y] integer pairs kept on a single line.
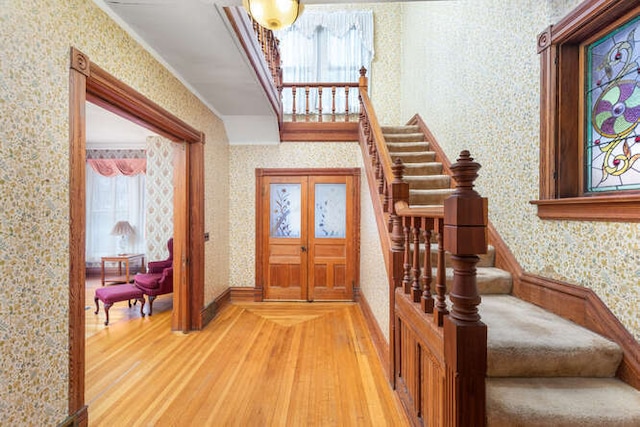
[[114, 197], [326, 47]]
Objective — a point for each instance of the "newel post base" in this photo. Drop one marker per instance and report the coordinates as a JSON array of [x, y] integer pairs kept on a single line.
[[465, 353]]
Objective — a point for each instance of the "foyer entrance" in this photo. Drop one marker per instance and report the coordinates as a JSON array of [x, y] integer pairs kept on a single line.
[[308, 233]]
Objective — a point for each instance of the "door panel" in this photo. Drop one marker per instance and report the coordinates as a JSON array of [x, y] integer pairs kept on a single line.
[[331, 238], [309, 237], [285, 225]]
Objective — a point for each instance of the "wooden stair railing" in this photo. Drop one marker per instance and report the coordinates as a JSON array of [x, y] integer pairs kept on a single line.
[[263, 52], [438, 349]]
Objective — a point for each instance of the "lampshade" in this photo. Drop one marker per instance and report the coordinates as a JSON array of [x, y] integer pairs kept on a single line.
[[122, 228], [273, 14]]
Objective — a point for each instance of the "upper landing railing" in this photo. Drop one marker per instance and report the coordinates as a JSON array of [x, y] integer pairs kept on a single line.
[[306, 111]]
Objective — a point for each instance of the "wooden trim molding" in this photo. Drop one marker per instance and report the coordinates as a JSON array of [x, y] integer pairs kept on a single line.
[[379, 342], [88, 82], [617, 207], [208, 313], [319, 131], [242, 294]]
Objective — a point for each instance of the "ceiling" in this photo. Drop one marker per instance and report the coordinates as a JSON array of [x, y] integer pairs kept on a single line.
[[194, 40]]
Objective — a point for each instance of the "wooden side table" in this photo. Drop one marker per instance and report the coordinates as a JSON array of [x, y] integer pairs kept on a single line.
[[126, 259]]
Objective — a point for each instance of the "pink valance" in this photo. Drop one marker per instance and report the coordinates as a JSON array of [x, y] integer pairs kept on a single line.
[[113, 167]]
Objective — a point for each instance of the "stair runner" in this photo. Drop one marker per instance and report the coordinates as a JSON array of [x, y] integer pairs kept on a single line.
[[542, 370]]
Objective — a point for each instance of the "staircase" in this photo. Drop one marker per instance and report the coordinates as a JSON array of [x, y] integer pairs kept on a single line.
[[542, 370]]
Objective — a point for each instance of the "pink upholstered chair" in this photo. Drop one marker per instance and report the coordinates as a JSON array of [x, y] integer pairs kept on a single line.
[[158, 280]]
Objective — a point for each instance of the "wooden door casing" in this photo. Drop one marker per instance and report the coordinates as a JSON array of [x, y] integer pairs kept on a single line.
[[307, 268]]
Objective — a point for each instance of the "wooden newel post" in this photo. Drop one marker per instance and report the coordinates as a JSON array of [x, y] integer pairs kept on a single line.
[[363, 81], [465, 336], [399, 193]]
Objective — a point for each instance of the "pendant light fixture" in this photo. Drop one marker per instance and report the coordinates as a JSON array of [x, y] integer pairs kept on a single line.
[[273, 14]]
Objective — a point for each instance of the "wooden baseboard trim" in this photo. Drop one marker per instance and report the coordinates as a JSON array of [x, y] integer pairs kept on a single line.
[[78, 419], [246, 294], [379, 341], [208, 313]]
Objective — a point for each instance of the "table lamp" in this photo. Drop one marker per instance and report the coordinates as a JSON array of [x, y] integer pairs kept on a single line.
[[124, 230]]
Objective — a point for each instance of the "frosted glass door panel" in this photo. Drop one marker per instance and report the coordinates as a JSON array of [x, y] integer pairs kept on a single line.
[[285, 210], [330, 210]]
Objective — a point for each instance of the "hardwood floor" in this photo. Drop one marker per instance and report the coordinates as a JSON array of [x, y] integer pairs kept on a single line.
[[255, 364]]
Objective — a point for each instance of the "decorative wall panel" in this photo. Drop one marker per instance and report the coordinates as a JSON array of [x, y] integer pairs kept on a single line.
[[159, 197]]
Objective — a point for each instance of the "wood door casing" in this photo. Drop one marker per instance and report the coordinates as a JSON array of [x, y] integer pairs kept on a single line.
[[306, 267]]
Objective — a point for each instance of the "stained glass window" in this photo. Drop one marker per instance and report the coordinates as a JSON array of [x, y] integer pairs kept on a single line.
[[330, 210], [285, 214], [612, 134]]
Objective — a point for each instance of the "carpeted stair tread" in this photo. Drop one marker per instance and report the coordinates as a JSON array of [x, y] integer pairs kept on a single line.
[[400, 129], [403, 137], [426, 168], [426, 182], [525, 340], [490, 280], [399, 147], [414, 156], [486, 260], [561, 402], [429, 197]]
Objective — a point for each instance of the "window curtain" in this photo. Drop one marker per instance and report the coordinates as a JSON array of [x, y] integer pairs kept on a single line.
[[112, 198], [326, 47]]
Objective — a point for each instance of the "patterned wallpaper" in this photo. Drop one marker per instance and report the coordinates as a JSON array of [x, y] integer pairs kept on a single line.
[[243, 163], [159, 197], [116, 154], [34, 176], [477, 70]]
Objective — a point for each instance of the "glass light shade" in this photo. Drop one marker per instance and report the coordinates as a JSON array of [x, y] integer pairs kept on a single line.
[[273, 14]]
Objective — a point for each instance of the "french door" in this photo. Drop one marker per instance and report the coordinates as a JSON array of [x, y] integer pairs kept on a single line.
[[308, 234]]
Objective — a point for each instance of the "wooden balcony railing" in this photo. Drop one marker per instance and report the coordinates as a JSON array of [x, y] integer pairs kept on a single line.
[[438, 345]]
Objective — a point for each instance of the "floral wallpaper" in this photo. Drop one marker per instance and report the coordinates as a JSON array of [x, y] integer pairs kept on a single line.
[[35, 37], [470, 68], [159, 197]]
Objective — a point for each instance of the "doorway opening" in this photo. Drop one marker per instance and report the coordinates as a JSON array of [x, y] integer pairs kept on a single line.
[[88, 82]]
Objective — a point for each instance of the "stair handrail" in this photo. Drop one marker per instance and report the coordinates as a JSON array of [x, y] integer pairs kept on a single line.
[[454, 327]]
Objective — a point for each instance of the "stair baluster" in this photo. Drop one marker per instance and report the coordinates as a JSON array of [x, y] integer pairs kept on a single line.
[[416, 292], [406, 281], [426, 301], [441, 278]]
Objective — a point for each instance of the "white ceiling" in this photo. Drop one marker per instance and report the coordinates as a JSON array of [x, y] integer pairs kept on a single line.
[[194, 40], [106, 130]]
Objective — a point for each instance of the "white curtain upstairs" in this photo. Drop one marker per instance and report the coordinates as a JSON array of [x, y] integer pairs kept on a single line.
[[326, 47]]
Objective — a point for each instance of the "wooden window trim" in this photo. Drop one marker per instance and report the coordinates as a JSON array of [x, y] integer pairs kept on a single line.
[[561, 171]]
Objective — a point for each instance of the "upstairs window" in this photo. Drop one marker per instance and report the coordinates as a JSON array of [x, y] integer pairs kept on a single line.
[[326, 47]]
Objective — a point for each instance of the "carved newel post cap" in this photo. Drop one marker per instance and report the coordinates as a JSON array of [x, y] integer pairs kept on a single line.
[[465, 212], [363, 71], [465, 172]]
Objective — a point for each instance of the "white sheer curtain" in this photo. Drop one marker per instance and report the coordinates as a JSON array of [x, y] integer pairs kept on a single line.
[[326, 47], [109, 200]]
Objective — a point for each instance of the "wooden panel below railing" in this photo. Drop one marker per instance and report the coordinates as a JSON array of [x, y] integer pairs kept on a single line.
[[319, 131]]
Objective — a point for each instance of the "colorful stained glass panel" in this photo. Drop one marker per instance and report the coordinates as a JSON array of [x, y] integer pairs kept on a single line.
[[284, 219], [612, 134], [330, 210]]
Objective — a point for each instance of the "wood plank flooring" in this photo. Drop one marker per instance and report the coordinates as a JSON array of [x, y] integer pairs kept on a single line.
[[256, 364]]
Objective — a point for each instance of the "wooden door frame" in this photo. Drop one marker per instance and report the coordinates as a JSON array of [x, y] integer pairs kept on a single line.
[[260, 211], [89, 82]]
